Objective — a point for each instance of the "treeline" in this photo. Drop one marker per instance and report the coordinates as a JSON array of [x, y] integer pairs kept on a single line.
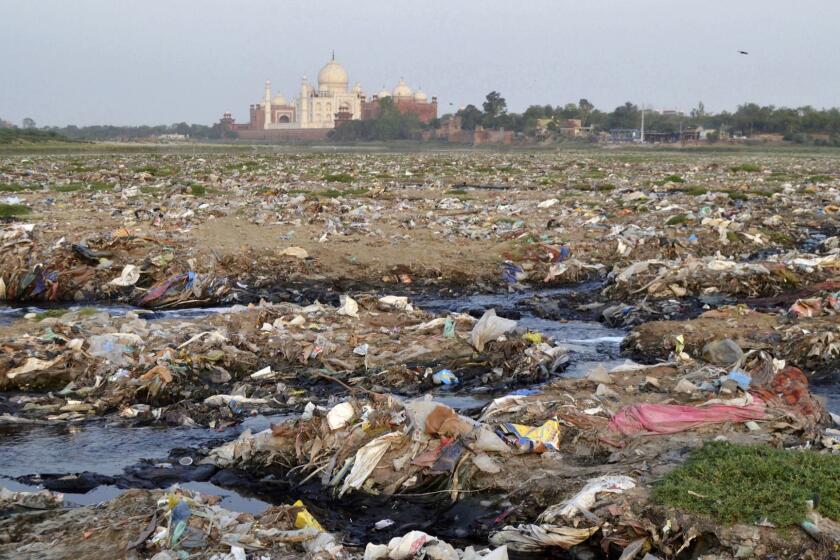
[[804, 124], [28, 135], [389, 124], [747, 120], [110, 132]]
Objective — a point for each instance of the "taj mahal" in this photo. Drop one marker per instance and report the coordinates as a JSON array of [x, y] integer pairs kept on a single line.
[[325, 106]]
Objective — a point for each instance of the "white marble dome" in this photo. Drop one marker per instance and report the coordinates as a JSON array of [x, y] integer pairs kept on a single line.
[[402, 90], [332, 77]]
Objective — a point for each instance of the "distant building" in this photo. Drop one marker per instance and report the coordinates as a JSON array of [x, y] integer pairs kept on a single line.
[[319, 109], [625, 135], [405, 101], [173, 137], [570, 128], [451, 131]]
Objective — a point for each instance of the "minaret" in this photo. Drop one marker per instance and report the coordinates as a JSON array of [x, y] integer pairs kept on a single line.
[[303, 114], [267, 104]]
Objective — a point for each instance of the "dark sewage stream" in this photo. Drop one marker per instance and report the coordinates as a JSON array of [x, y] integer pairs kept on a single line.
[[94, 461]]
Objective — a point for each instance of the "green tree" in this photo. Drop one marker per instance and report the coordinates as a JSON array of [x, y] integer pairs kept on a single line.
[[494, 104], [699, 112], [495, 107], [389, 124], [584, 108], [471, 116], [624, 116]]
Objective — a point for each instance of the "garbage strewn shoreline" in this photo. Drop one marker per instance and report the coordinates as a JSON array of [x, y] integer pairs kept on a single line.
[[314, 323]]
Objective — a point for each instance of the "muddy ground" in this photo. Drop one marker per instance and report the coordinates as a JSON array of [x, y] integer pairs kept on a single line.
[[249, 300]]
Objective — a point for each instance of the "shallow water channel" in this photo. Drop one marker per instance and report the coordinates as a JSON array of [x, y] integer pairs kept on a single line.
[[110, 450]]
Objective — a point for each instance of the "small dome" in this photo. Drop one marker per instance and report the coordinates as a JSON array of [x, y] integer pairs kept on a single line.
[[383, 94], [278, 100], [420, 96], [402, 90], [332, 76], [357, 88]]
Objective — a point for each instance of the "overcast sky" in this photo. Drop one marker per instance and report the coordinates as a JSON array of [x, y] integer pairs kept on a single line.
[[163, 61]]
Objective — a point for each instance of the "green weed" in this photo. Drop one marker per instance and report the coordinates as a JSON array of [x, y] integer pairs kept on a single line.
[[676, 220], [335, 193], [7, 210], [695, 191], [338, 178], [747, 483], [50, 313], [746, 168], [819, 179]]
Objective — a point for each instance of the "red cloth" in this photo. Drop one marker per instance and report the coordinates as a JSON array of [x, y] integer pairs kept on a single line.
[[639, 419]]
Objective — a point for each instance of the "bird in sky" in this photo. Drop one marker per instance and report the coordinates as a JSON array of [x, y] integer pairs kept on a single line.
[[743, 52]]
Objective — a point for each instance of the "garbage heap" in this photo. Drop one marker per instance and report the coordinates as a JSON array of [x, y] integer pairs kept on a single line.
[[804, 334], [260, 358], [152, 271], [576, 461]]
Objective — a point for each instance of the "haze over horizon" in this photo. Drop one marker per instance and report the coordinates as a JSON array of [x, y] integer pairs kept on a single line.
[[157, 62]]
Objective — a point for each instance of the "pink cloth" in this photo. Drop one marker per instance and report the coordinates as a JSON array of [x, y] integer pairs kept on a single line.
[[639, 419]]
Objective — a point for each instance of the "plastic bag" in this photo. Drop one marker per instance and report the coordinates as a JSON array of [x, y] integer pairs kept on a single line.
[[533, 439], [349, 307], [489, 327]]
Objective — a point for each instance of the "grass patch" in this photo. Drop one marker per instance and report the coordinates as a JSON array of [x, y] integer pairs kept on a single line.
[[335, 193], [595, 174], [70, 187], [7, 210], [778, 237], [338, 178], [147, 189], [157, 171], [779, 176], [13, 187], [695, 191], [736, 195], [819, 179], [674, 179], [747, 483], [606, 187], [677, 220], [198, 190], [50, 313], [101, 186], [746, 168], [457, 192]]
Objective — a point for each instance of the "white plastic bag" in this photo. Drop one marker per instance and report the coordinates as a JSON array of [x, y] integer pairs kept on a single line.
[[489, 327]]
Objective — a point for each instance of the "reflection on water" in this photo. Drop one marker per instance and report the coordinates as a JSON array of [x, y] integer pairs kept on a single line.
[[99, 447]]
